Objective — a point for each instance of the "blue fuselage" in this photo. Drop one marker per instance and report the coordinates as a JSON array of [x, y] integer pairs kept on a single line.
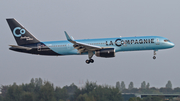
[[119, 44]]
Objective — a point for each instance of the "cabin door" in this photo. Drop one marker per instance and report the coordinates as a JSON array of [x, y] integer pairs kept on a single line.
[[38, 47], [157, 42]]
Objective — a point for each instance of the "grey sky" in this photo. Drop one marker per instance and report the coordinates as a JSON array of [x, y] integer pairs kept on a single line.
[[82, 19]]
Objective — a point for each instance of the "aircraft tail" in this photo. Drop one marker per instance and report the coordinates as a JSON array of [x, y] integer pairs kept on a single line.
[[21, 35]]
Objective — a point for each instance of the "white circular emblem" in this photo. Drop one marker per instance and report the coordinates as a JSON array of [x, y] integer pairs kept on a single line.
[[22, 31]]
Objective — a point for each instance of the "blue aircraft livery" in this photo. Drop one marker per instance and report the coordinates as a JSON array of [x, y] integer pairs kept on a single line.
[[103, 47]]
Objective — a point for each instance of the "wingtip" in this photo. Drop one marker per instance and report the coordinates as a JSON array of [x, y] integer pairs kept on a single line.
[[65, 32], [69, 38]]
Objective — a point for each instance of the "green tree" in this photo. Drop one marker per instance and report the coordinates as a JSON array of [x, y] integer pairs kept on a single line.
[[94, 92], [80, 98], [148, 85], [1, 98], [4, 90], [123, 86], [85, 97], [38, 82], [47, 92], [27, 96], [177, 90], [166, 90], [154, 90], [60, 94], [131, 85], [106, 93], [71, 89], [14, 93], [143, 85], [169, 84], [32, 81], [118, 85]]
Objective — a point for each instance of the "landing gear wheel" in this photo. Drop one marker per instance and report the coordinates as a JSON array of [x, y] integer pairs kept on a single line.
[[154, 57], [87, 61], [91, 60]]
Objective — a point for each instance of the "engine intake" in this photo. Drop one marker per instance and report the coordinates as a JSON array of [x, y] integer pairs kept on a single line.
[[107, 53]]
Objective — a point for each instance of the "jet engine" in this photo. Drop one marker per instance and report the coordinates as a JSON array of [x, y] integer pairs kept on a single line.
[[107, 53]]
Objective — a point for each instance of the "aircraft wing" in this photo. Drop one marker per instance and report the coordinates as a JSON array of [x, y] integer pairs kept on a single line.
[[20, 47], [82, 47]]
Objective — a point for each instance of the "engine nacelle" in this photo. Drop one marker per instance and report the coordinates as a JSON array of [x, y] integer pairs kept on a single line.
[[107, 53]]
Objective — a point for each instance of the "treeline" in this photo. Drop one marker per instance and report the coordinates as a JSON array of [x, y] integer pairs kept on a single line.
[[36, 90], [39, 90], [146, 89]]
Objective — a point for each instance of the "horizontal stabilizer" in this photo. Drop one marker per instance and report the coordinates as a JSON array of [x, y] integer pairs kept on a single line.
[[20, 47]]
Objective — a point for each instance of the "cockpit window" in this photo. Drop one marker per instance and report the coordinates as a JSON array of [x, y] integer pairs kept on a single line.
[[166, 40]]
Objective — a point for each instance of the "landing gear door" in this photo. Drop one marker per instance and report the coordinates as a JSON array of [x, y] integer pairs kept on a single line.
[[38, 47], [157, 41]]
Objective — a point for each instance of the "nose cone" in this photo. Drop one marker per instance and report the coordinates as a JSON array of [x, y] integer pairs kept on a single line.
[[171, 44]]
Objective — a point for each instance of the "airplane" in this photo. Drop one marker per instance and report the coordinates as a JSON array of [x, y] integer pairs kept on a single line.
[[101, 47]]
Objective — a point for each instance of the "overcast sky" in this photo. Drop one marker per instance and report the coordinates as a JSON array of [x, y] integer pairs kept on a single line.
[[84, 19]]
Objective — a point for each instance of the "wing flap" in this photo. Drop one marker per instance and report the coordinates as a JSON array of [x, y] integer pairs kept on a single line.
[[82, 47]]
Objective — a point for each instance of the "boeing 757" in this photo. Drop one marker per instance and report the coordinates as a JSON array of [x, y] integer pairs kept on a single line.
[[101, 47]]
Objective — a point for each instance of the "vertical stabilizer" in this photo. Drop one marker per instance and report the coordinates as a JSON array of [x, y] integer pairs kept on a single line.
[[21, 35]]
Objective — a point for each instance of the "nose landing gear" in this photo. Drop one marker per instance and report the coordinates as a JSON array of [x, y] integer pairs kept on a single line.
[[154, 57]]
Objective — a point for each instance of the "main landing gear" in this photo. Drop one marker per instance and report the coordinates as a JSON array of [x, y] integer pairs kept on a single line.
[[90, 55], [89, 61], [154, 57]]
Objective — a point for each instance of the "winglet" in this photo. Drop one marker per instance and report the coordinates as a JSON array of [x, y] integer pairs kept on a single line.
[[68, 37]]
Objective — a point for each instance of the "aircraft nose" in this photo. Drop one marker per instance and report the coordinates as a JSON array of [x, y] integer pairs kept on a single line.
[[172, 44]]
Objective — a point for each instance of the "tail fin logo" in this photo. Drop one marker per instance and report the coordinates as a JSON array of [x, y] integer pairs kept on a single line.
[[20, 30]]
